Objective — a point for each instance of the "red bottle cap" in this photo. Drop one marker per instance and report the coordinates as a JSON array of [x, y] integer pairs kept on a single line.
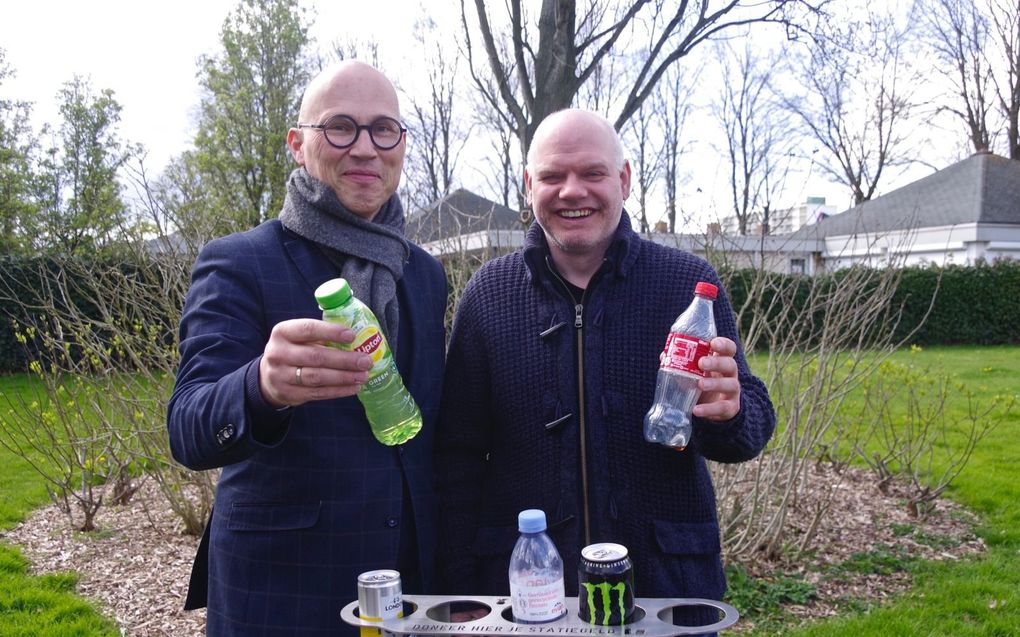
[[706, 289]]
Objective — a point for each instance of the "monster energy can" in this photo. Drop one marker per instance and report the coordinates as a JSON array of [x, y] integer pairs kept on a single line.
[[379, 598], [605, 591]]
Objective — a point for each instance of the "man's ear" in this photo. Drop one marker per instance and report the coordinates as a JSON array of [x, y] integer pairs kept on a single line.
[[625, 179], [527, 186], [295, 143]]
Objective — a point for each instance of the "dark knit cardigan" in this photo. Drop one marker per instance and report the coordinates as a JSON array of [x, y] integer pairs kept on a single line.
[[509, 434]]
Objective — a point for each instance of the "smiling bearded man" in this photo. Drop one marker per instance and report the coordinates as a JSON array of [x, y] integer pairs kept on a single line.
[[551, 366]]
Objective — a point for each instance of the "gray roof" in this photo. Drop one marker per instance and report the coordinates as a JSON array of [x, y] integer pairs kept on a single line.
[[459, 213], [984, 188]]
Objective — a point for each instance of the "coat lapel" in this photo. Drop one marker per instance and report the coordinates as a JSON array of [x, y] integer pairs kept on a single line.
[[310, 262]]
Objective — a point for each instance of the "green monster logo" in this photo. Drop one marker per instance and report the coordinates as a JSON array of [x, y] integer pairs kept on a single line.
[[606, 589]]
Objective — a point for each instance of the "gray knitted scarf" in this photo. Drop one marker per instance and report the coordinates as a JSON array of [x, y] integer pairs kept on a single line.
[[370, 254]]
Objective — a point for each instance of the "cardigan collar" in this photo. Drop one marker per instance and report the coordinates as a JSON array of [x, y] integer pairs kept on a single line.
[[621, 254]]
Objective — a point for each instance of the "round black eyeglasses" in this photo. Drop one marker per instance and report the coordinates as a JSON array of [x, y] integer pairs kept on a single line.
[[342, 131]]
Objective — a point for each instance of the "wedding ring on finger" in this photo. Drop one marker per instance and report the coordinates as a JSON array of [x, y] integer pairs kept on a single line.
[[297, 376]]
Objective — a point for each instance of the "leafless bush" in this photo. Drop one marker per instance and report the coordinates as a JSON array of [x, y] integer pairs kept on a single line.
[[825, 336], [103, 346], [60, 430]]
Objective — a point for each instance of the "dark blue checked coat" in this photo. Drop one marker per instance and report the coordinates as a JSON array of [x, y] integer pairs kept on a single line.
[[307, 499]]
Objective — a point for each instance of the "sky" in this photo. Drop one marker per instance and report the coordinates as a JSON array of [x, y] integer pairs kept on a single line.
[[147, 53]]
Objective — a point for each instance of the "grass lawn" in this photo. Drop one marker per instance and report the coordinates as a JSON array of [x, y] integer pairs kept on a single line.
[[971, 598], [32, 606]]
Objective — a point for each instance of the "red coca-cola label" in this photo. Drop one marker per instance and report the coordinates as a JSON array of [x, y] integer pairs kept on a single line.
[[682, 353], [370, 344]]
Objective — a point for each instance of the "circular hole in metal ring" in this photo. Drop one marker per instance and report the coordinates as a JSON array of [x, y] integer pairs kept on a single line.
[[445, 612], [722, 617]]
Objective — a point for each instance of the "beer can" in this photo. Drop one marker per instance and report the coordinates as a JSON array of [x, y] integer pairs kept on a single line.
[[379, 598], [605, 591]]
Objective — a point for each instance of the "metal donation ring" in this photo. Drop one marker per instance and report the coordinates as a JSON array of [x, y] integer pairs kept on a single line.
[[297, 376]]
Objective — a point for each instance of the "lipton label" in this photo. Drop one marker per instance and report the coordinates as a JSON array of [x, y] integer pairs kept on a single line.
[[682, 353], [370, 341]]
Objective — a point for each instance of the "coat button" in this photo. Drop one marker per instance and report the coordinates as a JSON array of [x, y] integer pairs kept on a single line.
[[392, 521], [225, 434]]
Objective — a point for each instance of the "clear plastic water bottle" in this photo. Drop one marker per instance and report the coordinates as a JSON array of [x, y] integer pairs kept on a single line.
[[391, 410], [536, 573], [668, 422]]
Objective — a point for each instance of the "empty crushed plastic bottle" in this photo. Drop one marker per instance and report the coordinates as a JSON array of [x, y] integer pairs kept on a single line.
[[391, 410], [668, 421]]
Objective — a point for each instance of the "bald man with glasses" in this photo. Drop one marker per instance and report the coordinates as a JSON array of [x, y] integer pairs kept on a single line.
[[307, 497]]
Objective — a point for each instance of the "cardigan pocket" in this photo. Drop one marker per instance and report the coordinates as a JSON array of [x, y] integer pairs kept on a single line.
[[272, 516], [687, 538], [500, 540]]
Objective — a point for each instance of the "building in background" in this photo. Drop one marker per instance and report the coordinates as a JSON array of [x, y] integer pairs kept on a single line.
[[782, 221], [466, 224], [958, 215], [792, 219]]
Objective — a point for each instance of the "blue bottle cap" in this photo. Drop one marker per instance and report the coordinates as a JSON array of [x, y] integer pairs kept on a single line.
[[531, 521]]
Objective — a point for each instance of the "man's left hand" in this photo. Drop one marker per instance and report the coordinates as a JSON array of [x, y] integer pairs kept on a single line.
[[720, 388]]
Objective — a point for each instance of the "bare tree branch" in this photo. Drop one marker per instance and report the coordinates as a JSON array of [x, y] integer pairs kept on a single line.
[[856, 104], [569, 52]]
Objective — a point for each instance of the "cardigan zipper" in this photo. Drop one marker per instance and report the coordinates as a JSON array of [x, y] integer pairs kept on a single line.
[[579, 325], [581, 420]]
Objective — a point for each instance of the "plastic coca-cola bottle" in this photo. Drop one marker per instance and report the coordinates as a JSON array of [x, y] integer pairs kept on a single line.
[[668, 422]]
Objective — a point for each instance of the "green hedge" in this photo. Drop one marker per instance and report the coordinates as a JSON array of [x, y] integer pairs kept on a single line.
[[23, 281], [978, 305], [975, 305], [12, 354], [28, 284]]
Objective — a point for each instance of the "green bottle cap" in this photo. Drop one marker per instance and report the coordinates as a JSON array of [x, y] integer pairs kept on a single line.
[[333, 293]]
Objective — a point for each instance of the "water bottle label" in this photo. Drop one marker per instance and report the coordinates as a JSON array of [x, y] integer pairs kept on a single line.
[[682, 353], [369, 340], [537, 599]]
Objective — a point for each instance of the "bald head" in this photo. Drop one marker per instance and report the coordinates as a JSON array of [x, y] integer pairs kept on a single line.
[[349, 76], [580, 124]]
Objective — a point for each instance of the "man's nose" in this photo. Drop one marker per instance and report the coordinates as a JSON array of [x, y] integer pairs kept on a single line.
[[363, 146], [573, 188]]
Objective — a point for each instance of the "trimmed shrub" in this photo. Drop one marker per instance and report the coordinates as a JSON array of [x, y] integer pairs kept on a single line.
[[974, 305]]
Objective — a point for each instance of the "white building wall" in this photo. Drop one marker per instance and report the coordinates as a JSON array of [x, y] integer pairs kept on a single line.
[[793, 219], [782, 221], [947, 245]]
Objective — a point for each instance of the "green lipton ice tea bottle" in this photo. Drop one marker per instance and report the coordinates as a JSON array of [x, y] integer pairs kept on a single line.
[[391, 410]]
